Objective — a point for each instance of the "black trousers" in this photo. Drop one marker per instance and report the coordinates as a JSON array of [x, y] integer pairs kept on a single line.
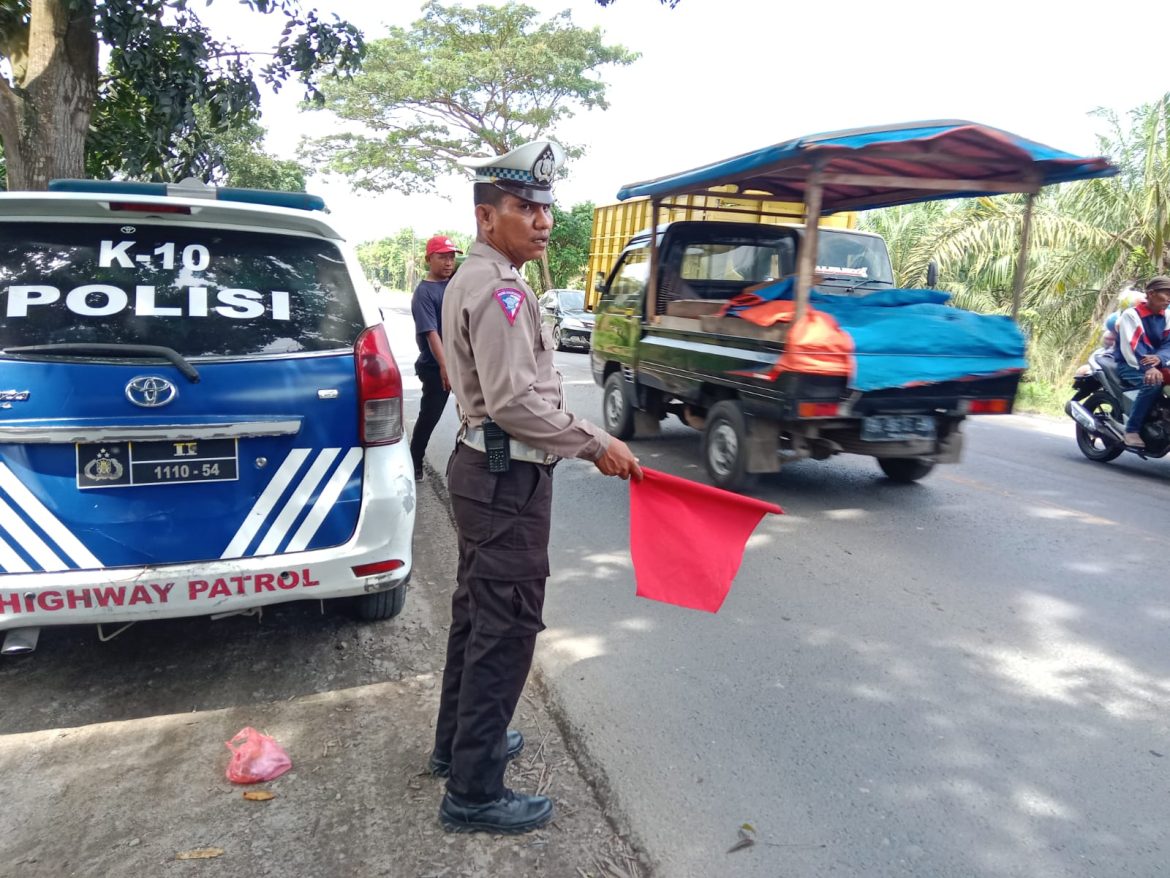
[[496, 612], [430, 409]]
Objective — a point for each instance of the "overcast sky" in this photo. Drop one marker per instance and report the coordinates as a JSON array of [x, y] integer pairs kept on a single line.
[[721, 77]]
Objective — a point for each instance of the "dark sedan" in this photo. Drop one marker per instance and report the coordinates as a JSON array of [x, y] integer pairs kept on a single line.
[[564, 311]]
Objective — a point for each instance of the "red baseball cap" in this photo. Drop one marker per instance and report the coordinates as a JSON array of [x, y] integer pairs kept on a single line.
[[441, 244]]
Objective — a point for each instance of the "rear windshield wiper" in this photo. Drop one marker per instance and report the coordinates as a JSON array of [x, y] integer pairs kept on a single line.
[[121, 350]]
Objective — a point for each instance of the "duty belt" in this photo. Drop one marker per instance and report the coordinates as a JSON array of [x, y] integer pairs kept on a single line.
[[473, 438]]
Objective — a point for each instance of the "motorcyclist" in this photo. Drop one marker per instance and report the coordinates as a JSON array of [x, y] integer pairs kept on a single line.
[[1142, 352]]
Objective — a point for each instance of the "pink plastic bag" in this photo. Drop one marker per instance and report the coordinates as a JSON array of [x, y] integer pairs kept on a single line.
[[255, 757]]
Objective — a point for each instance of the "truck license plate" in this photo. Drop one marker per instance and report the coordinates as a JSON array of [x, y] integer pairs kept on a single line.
[[897, 428], [122, 464]]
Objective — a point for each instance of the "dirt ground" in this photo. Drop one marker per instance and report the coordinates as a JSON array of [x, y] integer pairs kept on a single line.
[[112, 756]]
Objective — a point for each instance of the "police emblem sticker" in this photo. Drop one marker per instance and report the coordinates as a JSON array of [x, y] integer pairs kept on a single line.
[[510, 300], [544, 167], [103, 466]]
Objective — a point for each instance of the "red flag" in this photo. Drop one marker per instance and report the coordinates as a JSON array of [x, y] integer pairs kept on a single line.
[[687, 539]]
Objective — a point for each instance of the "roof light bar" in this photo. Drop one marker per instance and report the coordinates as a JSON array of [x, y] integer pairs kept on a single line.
[[192, 188]]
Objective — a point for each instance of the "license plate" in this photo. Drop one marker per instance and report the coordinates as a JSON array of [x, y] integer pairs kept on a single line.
[[127, 464], [897, 428]]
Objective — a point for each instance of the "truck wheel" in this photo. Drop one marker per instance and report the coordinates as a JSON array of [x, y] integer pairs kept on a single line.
[[905, 469], [725, 447], [617, 414], [380, 605]]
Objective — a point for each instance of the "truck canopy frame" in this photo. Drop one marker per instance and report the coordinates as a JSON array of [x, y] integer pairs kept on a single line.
[[864, 168]]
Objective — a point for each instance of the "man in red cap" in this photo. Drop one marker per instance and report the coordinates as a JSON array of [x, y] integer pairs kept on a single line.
[[427, 308]]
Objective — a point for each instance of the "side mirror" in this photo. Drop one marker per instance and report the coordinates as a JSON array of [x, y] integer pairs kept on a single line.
[[931, 274]]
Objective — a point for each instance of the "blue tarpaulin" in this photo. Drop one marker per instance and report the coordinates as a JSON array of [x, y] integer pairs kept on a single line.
[[903, 337]]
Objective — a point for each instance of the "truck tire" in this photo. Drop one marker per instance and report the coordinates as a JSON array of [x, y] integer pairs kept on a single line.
[[725, 447], [905, 469], [617, 415], [379, 605]]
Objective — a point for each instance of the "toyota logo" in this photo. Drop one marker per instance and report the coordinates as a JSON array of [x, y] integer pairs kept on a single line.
[[150, 392]]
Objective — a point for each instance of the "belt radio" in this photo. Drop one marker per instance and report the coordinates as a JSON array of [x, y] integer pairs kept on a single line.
[[497, 445]]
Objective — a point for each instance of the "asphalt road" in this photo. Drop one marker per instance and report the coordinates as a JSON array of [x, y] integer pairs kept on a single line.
[[962, 677]]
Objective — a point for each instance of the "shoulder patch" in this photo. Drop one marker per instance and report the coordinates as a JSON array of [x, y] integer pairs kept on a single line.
[[510, 300]]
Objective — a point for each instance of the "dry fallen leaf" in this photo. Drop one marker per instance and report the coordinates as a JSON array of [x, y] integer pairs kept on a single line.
[[200, 854], [259, 795]]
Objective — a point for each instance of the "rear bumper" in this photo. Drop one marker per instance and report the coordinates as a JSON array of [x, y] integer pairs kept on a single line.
[[80, 597]]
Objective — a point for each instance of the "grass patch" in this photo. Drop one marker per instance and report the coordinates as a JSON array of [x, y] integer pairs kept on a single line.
[[1042, 398]]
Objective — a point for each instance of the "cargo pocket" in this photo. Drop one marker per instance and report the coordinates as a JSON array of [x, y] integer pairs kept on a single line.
[[505, 608], [473, 493]]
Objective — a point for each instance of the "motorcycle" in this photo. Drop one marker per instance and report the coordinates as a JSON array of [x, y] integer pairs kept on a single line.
[[1100, 404]]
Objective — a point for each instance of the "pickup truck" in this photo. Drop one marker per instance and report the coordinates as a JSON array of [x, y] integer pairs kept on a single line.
[[777, 356], [718, 373]]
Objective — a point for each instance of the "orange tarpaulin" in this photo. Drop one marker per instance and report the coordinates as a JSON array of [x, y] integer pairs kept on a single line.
[[770, 313], [816, 345], [687, 539]]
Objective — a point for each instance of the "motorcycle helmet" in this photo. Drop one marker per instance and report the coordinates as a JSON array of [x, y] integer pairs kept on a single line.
[[1128, 298]]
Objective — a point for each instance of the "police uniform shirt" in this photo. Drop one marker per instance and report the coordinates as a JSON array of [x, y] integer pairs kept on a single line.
[[500, 359]]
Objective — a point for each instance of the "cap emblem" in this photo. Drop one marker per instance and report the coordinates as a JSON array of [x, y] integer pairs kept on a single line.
[[545, 165]]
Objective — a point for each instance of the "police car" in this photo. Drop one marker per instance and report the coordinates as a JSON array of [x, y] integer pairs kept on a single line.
[[200, 413]]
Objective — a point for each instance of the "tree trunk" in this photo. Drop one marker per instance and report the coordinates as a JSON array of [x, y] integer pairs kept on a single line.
[[44, 115], [545, 274]]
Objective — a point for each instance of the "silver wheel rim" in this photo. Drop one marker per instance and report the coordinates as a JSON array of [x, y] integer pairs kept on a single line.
[[723, 449], [614, 407]]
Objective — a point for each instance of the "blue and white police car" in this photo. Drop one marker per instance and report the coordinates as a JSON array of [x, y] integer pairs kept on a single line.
[[199, 410]]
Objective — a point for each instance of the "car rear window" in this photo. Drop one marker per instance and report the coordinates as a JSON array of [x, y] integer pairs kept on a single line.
[[202, 292]]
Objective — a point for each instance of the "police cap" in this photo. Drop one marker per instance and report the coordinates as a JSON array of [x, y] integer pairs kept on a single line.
[[526, 172]]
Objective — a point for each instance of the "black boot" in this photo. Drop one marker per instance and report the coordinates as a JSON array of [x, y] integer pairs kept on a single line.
[[442, 767], [510, 814]]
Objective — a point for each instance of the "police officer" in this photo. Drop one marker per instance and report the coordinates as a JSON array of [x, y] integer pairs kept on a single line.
[[514, 428]]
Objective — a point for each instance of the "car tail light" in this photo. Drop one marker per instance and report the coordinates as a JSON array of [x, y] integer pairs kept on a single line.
[[818, 410], [379, 389]]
